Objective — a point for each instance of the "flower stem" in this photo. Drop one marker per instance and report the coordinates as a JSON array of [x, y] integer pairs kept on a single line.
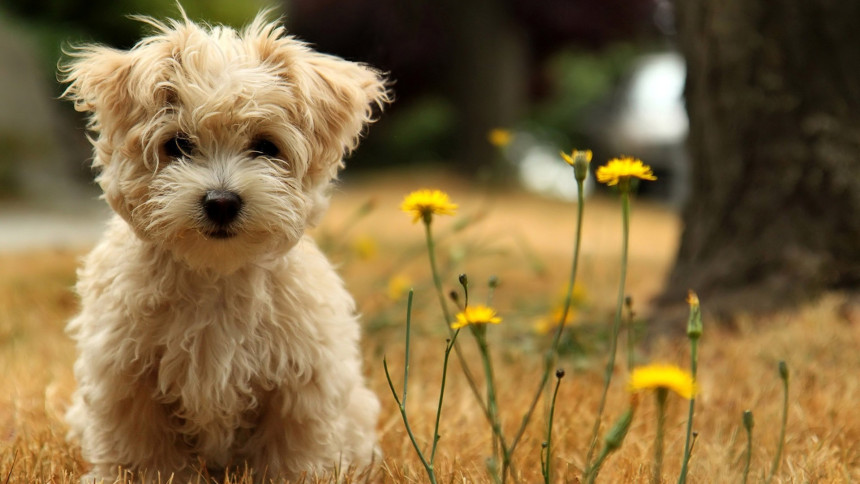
[[437, 281], [783, 373], [748, 425], [436, 435], [401, 401], [694, 365], [613, 341], [656, 476], [546, 466], [550, 357]]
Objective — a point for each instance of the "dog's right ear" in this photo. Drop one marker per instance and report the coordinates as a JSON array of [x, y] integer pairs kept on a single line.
[[98, 83]]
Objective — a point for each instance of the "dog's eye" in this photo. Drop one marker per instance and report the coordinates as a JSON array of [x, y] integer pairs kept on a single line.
[[178, 146], [264, 147]]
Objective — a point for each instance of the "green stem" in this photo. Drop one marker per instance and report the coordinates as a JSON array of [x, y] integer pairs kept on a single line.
[[436, 435], [547, 467], [630, 336], [437, 281], [662, 394], [613, 341], [549, 359], [694, 365], [748, 425], [500, 449], [783, 373], [401, 401]]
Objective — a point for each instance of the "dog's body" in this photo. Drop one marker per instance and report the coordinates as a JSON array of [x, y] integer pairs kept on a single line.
[[212, 330]]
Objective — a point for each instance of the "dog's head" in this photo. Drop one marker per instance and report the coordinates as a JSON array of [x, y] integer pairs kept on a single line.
[[216, 144]]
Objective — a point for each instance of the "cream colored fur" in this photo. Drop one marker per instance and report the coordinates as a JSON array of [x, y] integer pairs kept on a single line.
[[199, 348]]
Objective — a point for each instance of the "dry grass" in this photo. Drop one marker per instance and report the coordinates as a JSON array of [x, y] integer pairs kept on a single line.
[[526, 241]]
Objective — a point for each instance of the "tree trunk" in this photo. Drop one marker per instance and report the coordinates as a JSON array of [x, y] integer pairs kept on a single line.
[[773, 93], [489, 83]]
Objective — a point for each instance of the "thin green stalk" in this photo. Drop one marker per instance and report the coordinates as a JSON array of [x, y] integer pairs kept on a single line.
[[748, 425], [546, 463], [437, 281], [656, 476], [436, 435], [613, 342], [611, 442], [694, 332], [549, 359], [500, 449], [694, 364], [631, 340], [783, 374], [401, 401]]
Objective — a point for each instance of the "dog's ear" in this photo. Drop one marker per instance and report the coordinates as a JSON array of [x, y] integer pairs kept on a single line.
[[333, 99], [98, 83]]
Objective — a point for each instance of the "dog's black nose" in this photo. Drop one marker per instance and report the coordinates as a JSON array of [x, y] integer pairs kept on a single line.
[[221, 206]]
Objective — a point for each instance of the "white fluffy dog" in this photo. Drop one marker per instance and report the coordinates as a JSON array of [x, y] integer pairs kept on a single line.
[[213, 332]]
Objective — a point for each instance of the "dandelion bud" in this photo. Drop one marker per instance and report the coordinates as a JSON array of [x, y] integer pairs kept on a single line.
[[464, 281], [493, 282], [559, 373], [579, 160], [749, 423], [694, 324], [783, 370], [454, 296], [615, 437]]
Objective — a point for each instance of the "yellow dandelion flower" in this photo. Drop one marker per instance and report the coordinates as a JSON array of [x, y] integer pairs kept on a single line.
[[548, 323], [623, 169], [500, 137], [477, 314], [423, 204], [397, 286], [581, 154], [365, 247], [670, 377]]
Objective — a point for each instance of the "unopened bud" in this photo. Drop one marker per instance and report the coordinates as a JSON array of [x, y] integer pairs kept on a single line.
[[615, 436], [783, 370], [749, 423], [694, 324]]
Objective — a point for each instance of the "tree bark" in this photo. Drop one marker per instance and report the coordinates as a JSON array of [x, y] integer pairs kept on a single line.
[[773, 93]]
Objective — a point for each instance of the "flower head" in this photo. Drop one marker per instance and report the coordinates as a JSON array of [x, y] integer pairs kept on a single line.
[[500, 137], [579, 160], [622, 170], [477, 314], [670, 377], [550, 322], [422, 204], [571, 159]]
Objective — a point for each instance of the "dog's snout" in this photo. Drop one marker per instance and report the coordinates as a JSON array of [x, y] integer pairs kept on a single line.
[[221, 206]]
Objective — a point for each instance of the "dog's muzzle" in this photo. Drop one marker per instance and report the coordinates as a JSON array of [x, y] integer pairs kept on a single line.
[[222, 208]]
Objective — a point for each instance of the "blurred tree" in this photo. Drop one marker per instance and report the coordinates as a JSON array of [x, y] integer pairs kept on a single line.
[[774, 103], [479, 55]]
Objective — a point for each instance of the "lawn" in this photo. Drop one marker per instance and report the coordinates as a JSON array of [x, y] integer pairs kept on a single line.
[[526, 242]]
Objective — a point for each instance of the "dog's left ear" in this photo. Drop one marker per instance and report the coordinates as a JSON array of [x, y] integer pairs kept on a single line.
[[333, 99], [341, 98]]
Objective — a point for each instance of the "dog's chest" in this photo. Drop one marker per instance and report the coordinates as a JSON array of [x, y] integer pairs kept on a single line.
[[219, 355]]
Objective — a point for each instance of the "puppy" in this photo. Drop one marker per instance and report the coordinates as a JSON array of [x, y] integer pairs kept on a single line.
[[213, 332]]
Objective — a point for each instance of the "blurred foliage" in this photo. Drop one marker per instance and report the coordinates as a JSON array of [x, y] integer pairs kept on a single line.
[[579, 82], [58, 23]]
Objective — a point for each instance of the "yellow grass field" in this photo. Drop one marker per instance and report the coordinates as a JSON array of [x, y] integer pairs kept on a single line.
[[527, 242]]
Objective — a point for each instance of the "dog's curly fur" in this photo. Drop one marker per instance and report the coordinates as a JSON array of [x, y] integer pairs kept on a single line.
[[212, 329]]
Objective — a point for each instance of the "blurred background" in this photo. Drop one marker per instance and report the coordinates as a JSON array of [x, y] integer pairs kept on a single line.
[[489, 89]]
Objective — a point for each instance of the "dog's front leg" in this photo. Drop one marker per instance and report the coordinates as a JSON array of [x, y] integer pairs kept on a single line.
[[123, 430]]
